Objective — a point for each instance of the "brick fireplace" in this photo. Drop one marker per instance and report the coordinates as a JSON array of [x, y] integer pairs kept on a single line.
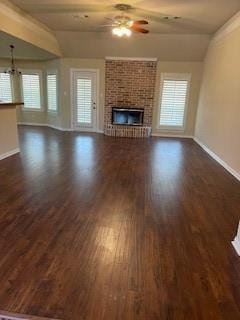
[[130, 84]]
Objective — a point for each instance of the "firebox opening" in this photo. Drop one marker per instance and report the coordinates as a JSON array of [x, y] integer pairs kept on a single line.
[[126, 116]]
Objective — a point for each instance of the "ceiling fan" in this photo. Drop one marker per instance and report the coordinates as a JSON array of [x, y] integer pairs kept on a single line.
[[122, 25]]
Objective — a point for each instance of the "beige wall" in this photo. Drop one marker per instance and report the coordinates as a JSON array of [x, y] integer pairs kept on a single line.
[[218, 119], [8, 131], [195, 69]]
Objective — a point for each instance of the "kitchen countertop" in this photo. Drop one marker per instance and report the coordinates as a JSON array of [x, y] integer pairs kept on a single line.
[[10, 104]]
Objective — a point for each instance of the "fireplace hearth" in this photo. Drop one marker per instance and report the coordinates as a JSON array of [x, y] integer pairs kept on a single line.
[[127, 116]]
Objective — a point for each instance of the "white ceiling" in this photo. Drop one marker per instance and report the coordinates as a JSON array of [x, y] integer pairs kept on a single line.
[[197, 16]]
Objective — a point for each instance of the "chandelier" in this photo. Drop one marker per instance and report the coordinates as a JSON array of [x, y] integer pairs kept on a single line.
[[13, 71]]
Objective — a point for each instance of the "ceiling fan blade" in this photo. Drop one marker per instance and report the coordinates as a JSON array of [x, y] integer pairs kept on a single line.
[[108, 18], [138, 29], [140, 22], [106, 25]]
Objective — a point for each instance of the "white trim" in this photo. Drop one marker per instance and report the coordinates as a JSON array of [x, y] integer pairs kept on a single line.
[[130, 59], [32, 124], [44, 125], [228, 27], [236, 241], [218, 159], [9, 153], [53, 127], [7, 317], [58, 128], [236, 245], [169, 135]]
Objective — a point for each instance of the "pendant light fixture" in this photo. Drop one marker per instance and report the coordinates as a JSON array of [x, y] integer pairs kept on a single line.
[[13, 71]]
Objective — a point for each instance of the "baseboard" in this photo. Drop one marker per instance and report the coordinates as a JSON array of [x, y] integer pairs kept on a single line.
[[9, 154], [5, 315], [44, 125], [51, 126], [218, 159], [236, 245], [58, 128], [168, 135], [32, 124]]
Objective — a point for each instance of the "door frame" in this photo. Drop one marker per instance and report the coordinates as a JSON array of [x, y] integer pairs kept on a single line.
[[97, 71]]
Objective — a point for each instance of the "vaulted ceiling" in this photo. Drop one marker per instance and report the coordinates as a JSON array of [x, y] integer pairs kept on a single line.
[[197, 16], [23, 49]]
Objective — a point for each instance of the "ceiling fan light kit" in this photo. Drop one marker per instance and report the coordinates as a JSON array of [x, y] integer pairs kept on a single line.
[[121, 31]]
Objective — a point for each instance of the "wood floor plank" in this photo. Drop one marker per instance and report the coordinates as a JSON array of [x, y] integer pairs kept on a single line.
[[95, 227]]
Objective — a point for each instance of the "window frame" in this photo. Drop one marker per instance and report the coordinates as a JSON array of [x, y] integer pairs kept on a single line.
[[32, 72], [174, 76], [52, 72], [2, 69]]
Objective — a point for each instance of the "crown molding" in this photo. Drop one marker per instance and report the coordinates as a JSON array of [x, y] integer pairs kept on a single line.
[[130, 59], [228, 27]]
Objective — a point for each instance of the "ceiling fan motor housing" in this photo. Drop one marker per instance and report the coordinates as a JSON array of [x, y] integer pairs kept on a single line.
[[123, 6]]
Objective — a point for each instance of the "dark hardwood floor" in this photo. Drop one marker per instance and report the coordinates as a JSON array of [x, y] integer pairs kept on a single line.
[[98, 228]]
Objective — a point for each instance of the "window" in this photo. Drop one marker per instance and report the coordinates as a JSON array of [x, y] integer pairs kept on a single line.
[[5, 87], [52, 91], [31, 90], [173, 101]]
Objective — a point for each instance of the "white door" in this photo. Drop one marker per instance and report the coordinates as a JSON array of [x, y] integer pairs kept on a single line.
[[84, 115]]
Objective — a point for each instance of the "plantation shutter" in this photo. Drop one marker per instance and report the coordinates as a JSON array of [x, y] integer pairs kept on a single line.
[[84, 101], [52, 92], [173, 102], [31, 91], [5, 87]]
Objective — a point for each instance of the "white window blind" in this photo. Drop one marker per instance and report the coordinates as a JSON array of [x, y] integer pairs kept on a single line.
[[173, 102], [31, 90], [52, 92], [5, 87], [84, 101]]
